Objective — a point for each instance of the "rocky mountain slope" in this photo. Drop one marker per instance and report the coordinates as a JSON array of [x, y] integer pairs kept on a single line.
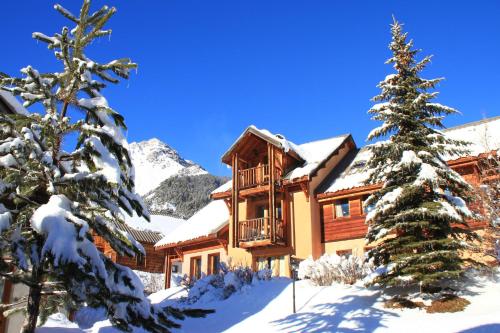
[[182, 196], [156, 161], [170, 184]]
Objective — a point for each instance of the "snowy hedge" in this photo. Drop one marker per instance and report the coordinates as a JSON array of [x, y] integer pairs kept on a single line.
[[152, 282], [222, 285], [330, 268]]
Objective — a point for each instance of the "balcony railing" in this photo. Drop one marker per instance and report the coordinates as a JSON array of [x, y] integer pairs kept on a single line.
[[259, 229], [258, 175]]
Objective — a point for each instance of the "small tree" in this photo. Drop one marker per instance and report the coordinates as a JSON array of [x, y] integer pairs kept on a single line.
[[55, 197], [418, 220], [489, 195]]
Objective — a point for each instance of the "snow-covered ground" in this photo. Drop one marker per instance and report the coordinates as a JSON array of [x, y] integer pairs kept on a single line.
[[266, 306]]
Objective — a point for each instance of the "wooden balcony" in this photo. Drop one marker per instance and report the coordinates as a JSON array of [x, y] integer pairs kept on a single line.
[[255, 176], [257, 232]]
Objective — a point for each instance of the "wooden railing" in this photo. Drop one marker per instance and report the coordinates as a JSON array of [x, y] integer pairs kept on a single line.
[[254, 176], [259, 229]]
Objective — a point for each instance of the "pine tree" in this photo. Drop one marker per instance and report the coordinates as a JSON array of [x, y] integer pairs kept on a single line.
[[419, 218], [54, 197]]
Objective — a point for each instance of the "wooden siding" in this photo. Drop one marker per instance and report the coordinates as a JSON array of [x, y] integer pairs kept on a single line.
[[153, 262], [353, 226]]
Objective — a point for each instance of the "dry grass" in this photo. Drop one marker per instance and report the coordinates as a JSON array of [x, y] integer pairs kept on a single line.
[[400, 302], [448, 303]]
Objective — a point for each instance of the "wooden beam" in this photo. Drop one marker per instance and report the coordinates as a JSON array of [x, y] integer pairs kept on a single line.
[[305, 188]]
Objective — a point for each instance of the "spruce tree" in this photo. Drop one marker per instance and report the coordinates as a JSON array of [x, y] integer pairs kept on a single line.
[[419, 218], [55, 196]]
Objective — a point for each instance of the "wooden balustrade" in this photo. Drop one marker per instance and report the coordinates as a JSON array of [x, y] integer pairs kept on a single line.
[[259, 229], [254, 176]]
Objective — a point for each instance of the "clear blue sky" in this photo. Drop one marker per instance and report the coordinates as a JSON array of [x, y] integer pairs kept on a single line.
[[306, 69]]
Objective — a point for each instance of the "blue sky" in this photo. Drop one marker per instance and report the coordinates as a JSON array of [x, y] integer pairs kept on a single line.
[[305, 69]]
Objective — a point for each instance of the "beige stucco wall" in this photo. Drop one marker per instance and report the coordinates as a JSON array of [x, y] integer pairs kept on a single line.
[[204, 259], [301, 225], [356, 245]]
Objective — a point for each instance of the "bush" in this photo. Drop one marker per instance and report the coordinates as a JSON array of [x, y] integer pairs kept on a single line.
[[220, 286], [332, 268]]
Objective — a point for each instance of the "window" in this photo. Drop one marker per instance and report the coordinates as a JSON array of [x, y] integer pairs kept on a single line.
[[278, 211], [175, 268], [195, 268], [213, 263], [260, 211], [366, 208], [341, 208], [139, 260], [344, 253]]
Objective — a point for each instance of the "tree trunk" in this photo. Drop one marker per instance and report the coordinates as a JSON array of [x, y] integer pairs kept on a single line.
[[34, 298]]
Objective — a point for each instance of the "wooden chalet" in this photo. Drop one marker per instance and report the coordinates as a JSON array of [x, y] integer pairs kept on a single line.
[[301, 200], [341, 196]]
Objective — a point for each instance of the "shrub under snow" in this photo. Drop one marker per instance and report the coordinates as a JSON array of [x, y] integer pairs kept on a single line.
[[152, 282], [222, 285], [330, 268]]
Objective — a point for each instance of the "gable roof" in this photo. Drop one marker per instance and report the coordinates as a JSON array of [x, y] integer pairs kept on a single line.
[[277, 140], [484, 136], [207, 221], [313, 154], [142, 236]]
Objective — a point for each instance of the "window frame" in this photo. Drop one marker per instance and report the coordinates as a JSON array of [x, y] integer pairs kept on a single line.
[[338, 202], [192, 262], [211, 269]]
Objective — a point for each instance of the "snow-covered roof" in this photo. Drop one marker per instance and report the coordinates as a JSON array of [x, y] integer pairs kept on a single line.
[[224, 187], [207, 221], [276, 139], [158, 223], [483, 135], [314, 154], [12, 102]]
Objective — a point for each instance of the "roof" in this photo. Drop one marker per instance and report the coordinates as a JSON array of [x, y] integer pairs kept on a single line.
[[9, 104], [158, 223], [313, 154], [484, 136], [142, 236], [207, 221], [277, 140]]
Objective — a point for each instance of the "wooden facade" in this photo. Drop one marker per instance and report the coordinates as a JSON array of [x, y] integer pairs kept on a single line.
[[335, 228], [153, 261], [273, 216]]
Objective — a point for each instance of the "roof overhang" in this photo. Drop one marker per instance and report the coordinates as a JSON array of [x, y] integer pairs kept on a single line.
[[251, 130]]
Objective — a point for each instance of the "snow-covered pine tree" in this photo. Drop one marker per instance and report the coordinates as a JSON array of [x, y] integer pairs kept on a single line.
[[54, 197], [419, 216]]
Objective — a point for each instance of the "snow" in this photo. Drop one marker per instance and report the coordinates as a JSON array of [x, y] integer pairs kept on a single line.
[[266, 306], [314, 153], [13, 102], [208, 220], [154, 161], [158, 223], [65, 235], [224, 187], [484, 136], [354, 175]]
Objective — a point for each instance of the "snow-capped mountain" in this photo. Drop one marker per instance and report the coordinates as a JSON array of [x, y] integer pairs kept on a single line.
[[155, 161]]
